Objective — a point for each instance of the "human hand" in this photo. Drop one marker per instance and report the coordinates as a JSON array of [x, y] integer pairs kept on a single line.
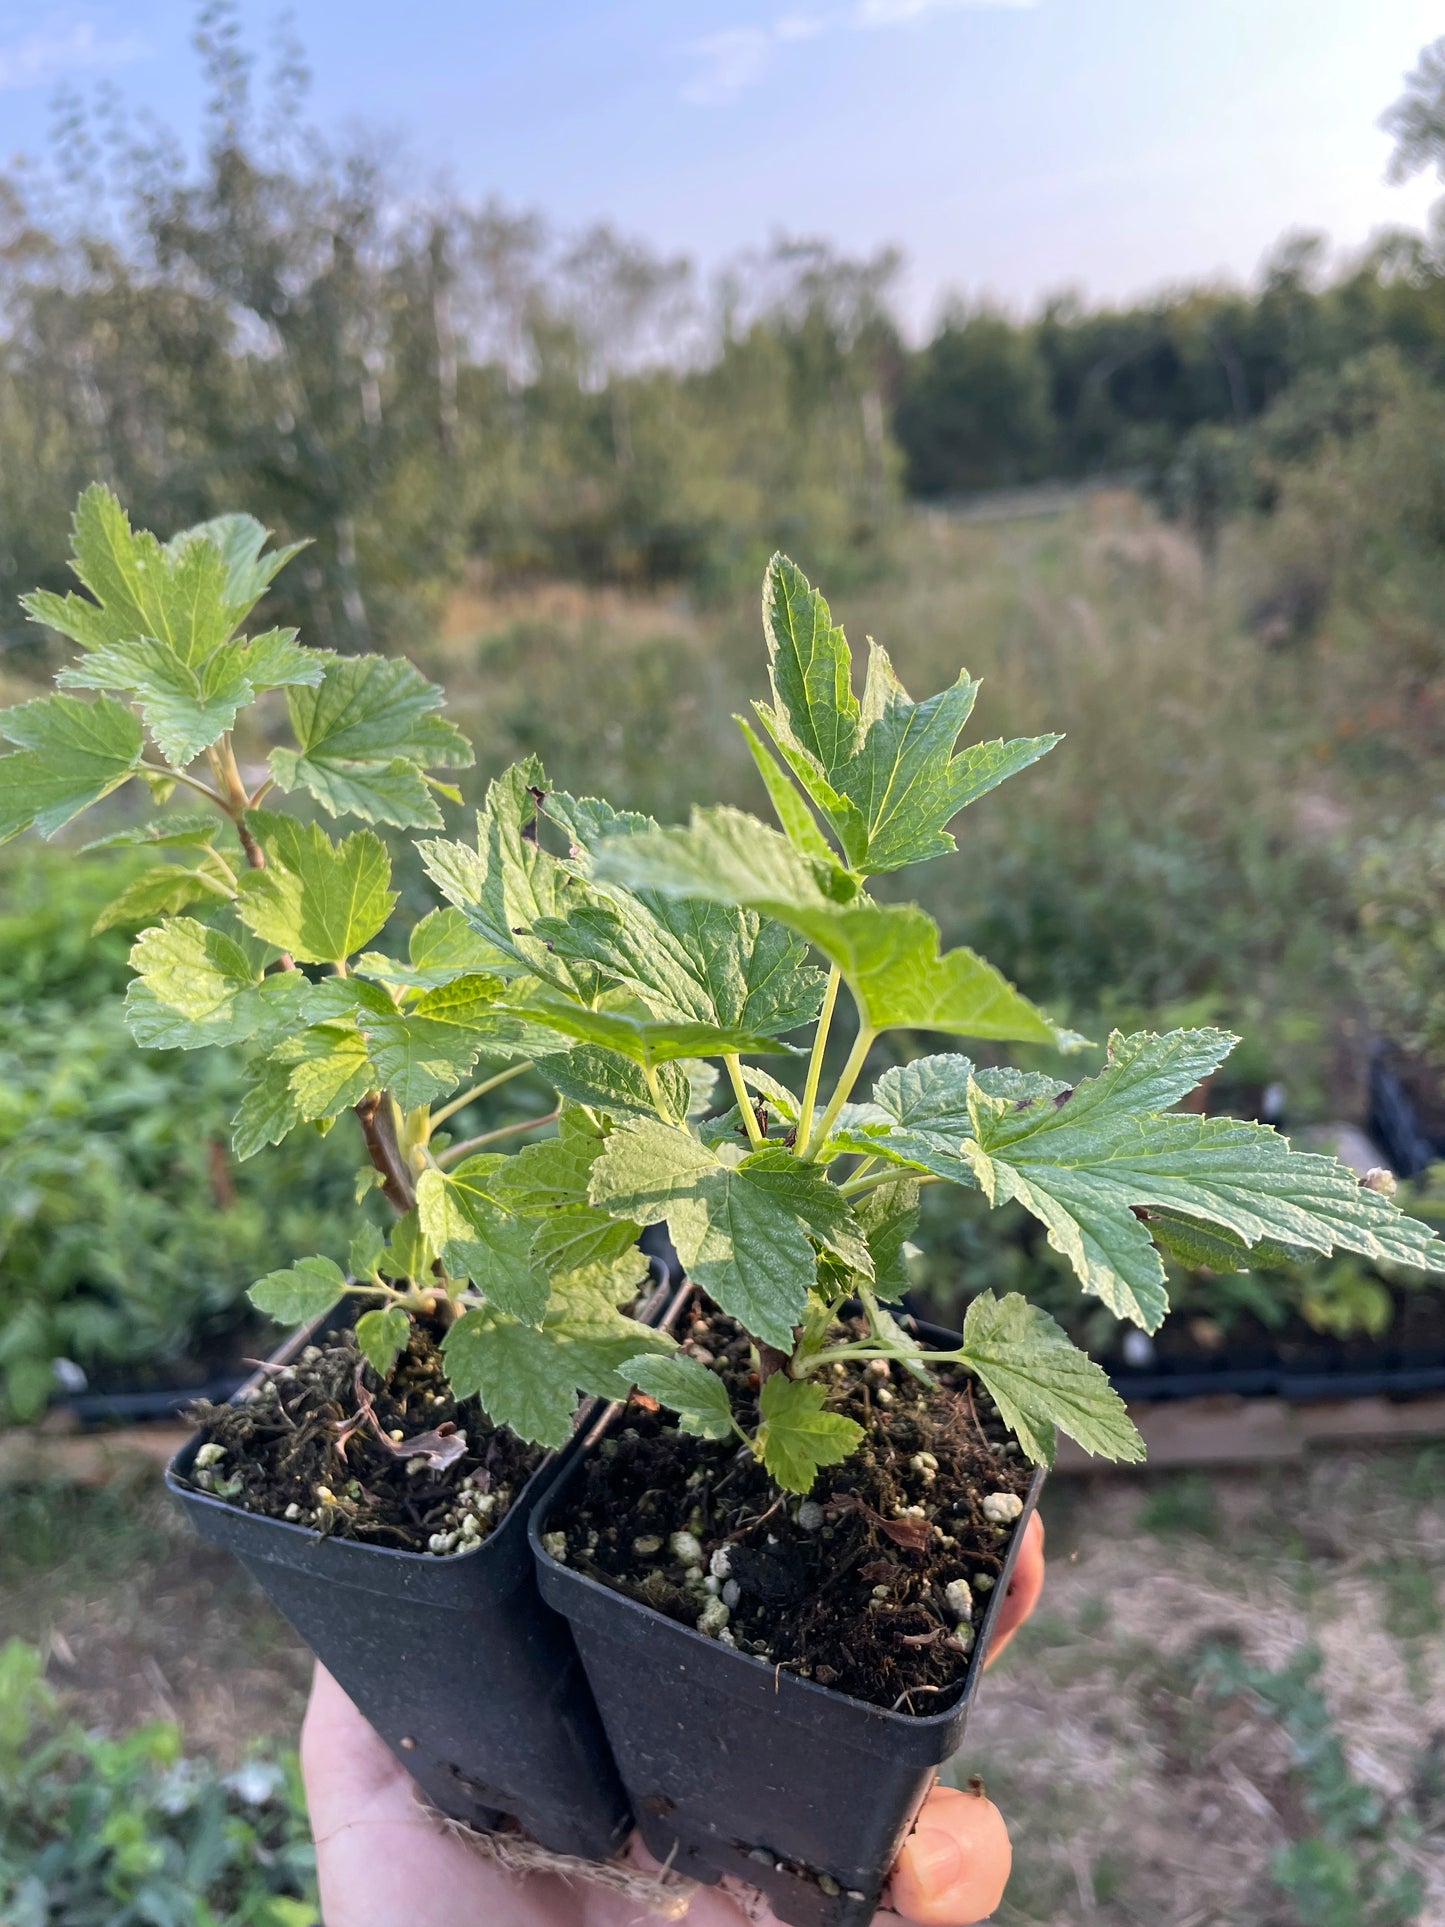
[[383, 1859]]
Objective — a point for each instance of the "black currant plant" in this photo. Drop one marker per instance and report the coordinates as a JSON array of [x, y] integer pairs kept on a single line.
[[624, 963]]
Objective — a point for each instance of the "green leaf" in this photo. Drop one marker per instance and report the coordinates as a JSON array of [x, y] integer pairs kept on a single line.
[[382, 1336], [622, 1023], [318, 899], [888, 1215], [799, 824], [72, 753], [194, 986], [240, 540], [1039, 1380], [552, 1175], [425, 1049], [182, 829], [508, 881], [882, 774], [176, 594], [480, 1240], [294, 1297], [888, 953], [587, 1248], [797, 1437], [331, 1070], [185, 708], [158, 892], [410, 1254], [269, 1110], [1086, 1165], [819, 1206], [368, 1248], [515, 1371], [746, 1249], [442, 947], [608, 1081], [685, 1386], [366, 733], [276, 660]]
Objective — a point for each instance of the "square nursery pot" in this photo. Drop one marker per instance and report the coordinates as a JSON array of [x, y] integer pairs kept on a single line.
[[735, 1768], [470, 1679]]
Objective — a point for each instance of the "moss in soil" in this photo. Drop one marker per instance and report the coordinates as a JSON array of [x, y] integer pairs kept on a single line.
[[324, 1444], [855, 1587]]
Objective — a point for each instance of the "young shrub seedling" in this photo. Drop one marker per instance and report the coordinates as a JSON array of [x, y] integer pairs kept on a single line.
[[623, 962]]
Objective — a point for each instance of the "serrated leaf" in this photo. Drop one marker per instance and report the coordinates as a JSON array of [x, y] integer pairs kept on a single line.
[[747, 1250], [367, 1250], [331, 1071], [685, 1386], [194, 986], [507, 881], [797, 820], [442, 947], [478, 1239], [1040, 1380], [552, 1175], [154, 893], [185, 708], [317, 899], [269, 1110], [516, 1372], [72, 753], [607, 1081], [302, 1292], [277, 660], [410, 1253], [1083, 1165], [622, 1023], [882, 774], [366, 732], [797, 1437], [424, 1050], [182, 829], [382, 1336], [888, 1215], [819, 1206]]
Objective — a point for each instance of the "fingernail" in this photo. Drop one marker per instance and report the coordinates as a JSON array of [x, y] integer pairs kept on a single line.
[[935, 1858]]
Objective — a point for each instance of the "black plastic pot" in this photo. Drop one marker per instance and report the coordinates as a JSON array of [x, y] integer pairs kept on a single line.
[[472, 1682], [734, 1767]]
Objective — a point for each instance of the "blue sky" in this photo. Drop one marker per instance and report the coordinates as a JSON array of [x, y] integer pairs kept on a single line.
[[1009, 147]]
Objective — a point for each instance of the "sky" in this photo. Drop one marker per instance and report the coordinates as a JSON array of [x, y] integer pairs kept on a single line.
[[1010, 148]]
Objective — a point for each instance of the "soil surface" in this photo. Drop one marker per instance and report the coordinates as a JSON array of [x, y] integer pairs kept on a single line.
[[858, 1586], [401, 1463]]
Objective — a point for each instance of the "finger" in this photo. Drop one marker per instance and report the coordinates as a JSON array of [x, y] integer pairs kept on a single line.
[[954, 1865], [1023, 1590]]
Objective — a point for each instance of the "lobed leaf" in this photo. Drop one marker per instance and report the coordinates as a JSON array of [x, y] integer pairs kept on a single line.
[[301, 1292], [319, 900], [685, 1386], [1039, 1379], [797, 1438], [71, 754]]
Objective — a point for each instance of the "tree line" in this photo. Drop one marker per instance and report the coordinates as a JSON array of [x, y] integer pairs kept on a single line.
[[414, 382]]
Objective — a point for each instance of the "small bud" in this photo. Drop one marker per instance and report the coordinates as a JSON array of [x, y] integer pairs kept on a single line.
[[1381, 1180]]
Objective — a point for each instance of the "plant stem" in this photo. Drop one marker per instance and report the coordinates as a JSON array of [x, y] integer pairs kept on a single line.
[[852, 1188], [191, 782], [377, 1118], [456, 1104], [852, 1070], [469, 1144], [654, 1089], [815, 1061], [744, 1098]]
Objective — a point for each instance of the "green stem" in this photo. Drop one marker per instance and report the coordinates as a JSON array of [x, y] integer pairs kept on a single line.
[[470, 1144], [853, 1189], [191, 782], [745, 1102], [654, 1089], [478, 1090], [815, 1061], [852, 1071]]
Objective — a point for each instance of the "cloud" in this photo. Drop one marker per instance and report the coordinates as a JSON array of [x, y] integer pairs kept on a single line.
[[741, 57], [39, 59]]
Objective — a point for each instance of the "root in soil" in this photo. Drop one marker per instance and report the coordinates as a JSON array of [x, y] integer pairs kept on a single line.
[[401, 1463], [848, 1588]]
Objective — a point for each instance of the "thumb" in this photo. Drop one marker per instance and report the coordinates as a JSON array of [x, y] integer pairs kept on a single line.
[[956, 1862]]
